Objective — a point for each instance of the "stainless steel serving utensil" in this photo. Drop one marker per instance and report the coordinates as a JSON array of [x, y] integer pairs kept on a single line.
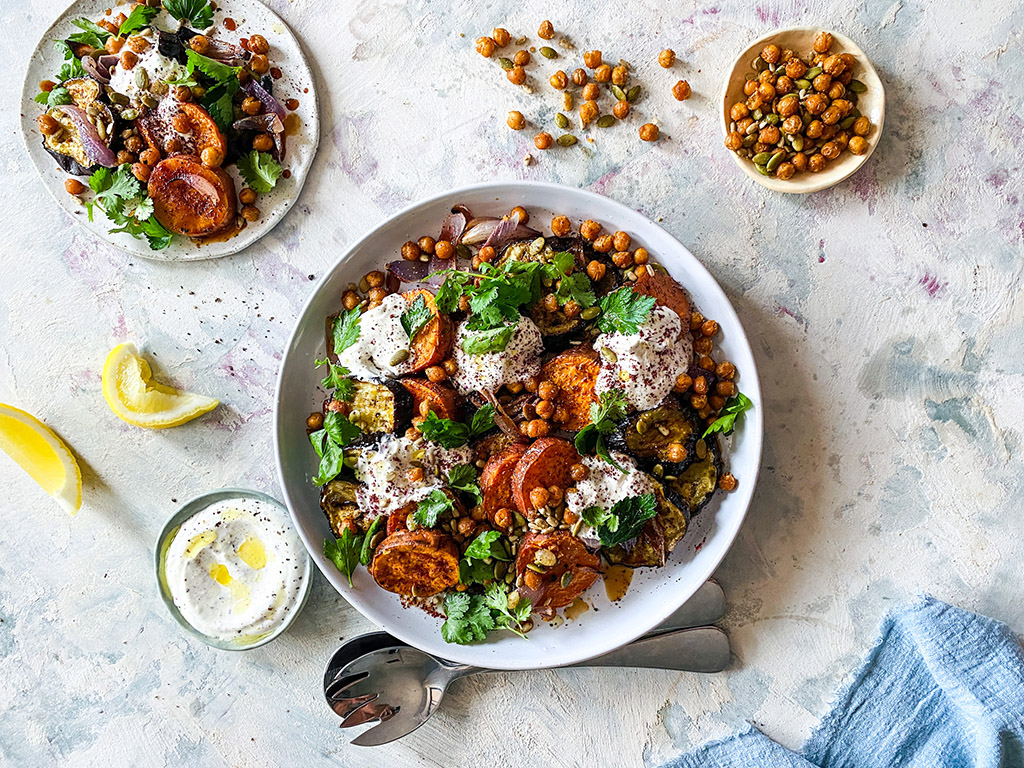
[[377, 677]]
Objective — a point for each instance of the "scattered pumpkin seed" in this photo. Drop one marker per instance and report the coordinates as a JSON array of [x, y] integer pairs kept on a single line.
[[774, 119], [500, 569], [510, 577], [618, 93], [802, 83], [141, 78], [759, 64], [750, 140], [561, 121], [149, 100], [854, 113], [633, 94], [761, 158], [506, 63], [566, 579], [536, 568], [812, 73], [750, 76], [399, 357], [606, 121], [609, 355], [757, 114], [848, 122], [545, 557], [659, 470], [798, 143], [566, 140], [521, 40], [119, 98], [762, 170], [463, 251], [548, 52], [129, 114], [776, 161], [160, 88], [857, 86], [590, 313], [567, 101], [630, 275]]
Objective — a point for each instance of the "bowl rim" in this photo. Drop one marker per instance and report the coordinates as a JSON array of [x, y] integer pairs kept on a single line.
[[753, 427], [822, 180], [169, 530]]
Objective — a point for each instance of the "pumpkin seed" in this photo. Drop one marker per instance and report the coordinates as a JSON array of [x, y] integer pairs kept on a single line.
[[762, 170], [750, 140], [750, 76], [798, 143], [118, 98], [399, 357], [510, 577], [855, 113], [857, 86], [424, 257], [633, 94], [500, 569], [129, 114], [548, 52], [702, 449], [812, 73], [566, 140], [160, 88], [545, 557], [618, 93], [608, 355], [776, 161], [364, 286], [658, 470], [606, 121], [92, 109], [774, 119], [561, 121], [848, 122], [630, 275], [521, 40], [520, 520], [757, 114], [761, 158], [536, 568], [567, 102], [802, 83], [463, 251], [410, 523], [505, 63], [566, 579], [759, 64], [576, 527], [149, 100], [141, 78], [590, 313]]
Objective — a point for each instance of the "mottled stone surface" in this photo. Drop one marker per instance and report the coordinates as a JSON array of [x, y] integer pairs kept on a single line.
[[884, 315]]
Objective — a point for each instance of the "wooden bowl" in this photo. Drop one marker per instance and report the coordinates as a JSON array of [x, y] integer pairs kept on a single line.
[[871, 104]]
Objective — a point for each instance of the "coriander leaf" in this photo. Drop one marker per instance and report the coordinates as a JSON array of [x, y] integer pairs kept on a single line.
[[195, 13], [475, 572], [101, 179], [487, 544], [55, 98], [416, 316], [494, 340], [431, 508], [597, 517], [140, 17], [623, 311], [217, 101], [344, 552], [468, 619], [496, 599], [336, 380], [463, 478], [733, 410], [260, 171], [346, 330], [630, 515], [212, 68], [339, 429], [366, 552], [72, 66], [92, 34], [563, 261], [483, 420], [576, 287], [447, 298], [445, 432]]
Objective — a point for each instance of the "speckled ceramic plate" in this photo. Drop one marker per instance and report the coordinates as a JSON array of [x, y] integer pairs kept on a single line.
[[655, 592], [297, 82]]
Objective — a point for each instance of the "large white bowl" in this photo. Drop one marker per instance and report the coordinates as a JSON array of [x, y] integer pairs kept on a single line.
[[655, 592]]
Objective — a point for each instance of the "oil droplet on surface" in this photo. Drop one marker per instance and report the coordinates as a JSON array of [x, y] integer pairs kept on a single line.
[[616, 581], [576, 608], [253, 553], [197, 542]]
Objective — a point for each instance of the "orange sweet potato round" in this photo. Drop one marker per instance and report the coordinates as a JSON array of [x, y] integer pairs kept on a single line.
[[570, 554], [434, 340], [158, 131], [496, 480], [416, 563], [574, 372], [667, 292], [191, 199], [543, 464], [441, 397]]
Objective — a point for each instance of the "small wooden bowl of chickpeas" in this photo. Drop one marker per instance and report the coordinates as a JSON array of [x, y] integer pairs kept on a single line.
[[800, 134]]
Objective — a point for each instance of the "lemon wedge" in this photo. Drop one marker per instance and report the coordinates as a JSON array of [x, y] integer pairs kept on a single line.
[[134, 397], [42, 454]]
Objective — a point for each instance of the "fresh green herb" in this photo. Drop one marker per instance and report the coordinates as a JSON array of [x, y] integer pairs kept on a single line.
[[213, 69], [92, 33], [416, 316], [733, 410], [195, 13], [468, 618], [475, 572], [337, 379], [487, 544], [576, 286], [346, 329], [453, 434], [120, 196], [186, 79], [261, 171], [496, 598], [72, 67], [329, 444], [603, 418], [140, 17], [495, 302], [623, 311], [447, 298], [492, 340], [217, 101], [624, 521], [431, 508], [345, 552], [366, 551], [58, 96], [463, 478]]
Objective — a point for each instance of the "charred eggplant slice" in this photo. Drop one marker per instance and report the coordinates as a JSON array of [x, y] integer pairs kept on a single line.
[[338, 501], [647, 435], [693, 488], [657, 539], [380, 407], [66, 146]]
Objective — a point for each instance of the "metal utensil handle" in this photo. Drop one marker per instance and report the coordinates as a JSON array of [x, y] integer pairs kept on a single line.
[[704, 608], [703, 649]]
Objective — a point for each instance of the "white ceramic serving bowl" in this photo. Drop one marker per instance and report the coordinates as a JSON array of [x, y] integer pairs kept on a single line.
[[871, 103], [296, 82], [655, 592]]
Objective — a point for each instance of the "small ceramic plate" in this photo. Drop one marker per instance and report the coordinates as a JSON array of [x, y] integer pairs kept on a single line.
[[654, 592], [252, 17], [871, 103]]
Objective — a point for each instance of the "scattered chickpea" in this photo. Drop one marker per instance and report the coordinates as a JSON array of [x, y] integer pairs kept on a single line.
[[683, 383], [258, 44], [603, 244], [698, 401], [817, 163], [641, 256], [47, 85], [125, 157], [128, 59], [436, 373], [138, 44], [546, 30], [521, 58], [589, 111], [141, 171], [48, 125], [516, 75], [259, 64], [376, 295], [212, 157], [681, 90], [589, 229], [486, 254], [676, 452], [537, 428], [543, 140], [350, 300], [749, 87], [861, 126], [315, 421], [524, 215], [450, 366], [702, 345], [263, 142], [501, 37], [823, 42], [622, 259], [251, 105], [734, 141], [485, 47], [716, 402], [592, 59], [515, 120], [444, 250], [579, 77], [572, 308], [250, 213], [74, 187], [649, 132], [858, 145], [559, 81], [620, 75], [785, 171], [113, 45], [410, 251], [726, 482], [560, 226], [550, 303], [591, 92], [667, 58], [603, 74], [532, 580], [415, 475], [545, 409], [596, 271], [621, 109]]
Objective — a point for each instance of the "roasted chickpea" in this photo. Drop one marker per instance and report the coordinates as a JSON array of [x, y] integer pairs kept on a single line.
[[603, 74], [134, 144], [181, 123], [315, 421], [700, 385], [620, 74], [545, 409], [150, 156], [667, 58], [834, 65], [141, 171], [212, 157], [641, 256], [683, 383], [749, 87], [823, 42], [603, 244], [621, 109], [738, 111], [783, 85], [709, 328], [521, 58], [817, 163], [836, 91], [410, 251], [844, 106], [436, 373], [769, 135], [799, 161], [814, 129], [182, 93], [559, 81], [259, 64], [349, 299], [589, 110], [124, 157], [444, 250], [766, 91], [48, 126], [861, 126], [755, 101], [543, 140], [816, 103], [138, 44], [589, 229], [251, 105], [742, 126], [128, 59], [681, 90], [376, 296], [263, 142], [649, 132], [248, 197], [537, 428], [486, 254], [592, 59], [698, 401], [516, 75], [622, 259], [501, 37], [522, 213], [596, 271], [703, 345], [792, 124], [734, 141], [822, 82], [591, 92], [676, 452], [550, 303], [858, 145], [785, 171], [572, 308], [515, 120], [726, 482], [579, 77], [560, 226], [831, 116], [546, 30], [766, 77], [113, 45], [795, 68], [450, 366], [74, 187], [485, 47], [771, 53]]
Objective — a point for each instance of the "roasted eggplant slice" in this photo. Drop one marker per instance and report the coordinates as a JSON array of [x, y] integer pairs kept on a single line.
[[693, 488], [657, 538], [383, 407], [647, 435], [67, 147], [338, 501]]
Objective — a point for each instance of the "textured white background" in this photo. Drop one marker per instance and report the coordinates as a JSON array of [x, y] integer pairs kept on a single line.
[[883, 314]]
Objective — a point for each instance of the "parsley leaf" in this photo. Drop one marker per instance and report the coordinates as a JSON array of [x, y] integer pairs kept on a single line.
[[416, 316], [623, 310], [329, 444], [483, 420], [495, 302], [72, 66], [463, 478], [120, 196], [733, 410], [603, 415], [344, 552], [496, 598], [346, 330], [56, 97], [576, 287], [454, 434], [492, 340], [366, 552], [92, 33], [195, 13], [487, 544], [212, 68], [431, 508], [140, 17], [624, 521], [336, 379], [261, 172], [217, 101], [468, 618]]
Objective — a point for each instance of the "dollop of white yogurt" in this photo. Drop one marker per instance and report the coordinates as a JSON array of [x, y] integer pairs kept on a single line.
[[236, 570], [646, 364], [605, 486], [157, 66], [383, 348], [519, 361]]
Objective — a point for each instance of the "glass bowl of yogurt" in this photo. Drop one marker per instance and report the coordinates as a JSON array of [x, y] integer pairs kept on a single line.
[[231, 569]]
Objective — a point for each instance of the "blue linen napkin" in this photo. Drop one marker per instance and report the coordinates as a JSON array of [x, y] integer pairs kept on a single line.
[[942, 688]]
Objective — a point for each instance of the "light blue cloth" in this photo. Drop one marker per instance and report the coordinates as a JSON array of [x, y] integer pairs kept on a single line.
[[942, 688]]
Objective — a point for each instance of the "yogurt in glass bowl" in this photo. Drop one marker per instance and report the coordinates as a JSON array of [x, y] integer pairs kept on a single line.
[[231, 569]]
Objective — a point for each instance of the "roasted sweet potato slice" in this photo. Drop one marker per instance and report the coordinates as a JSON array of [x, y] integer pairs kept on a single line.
[[396, 520], [557, 553], [574, 372], [191, 199], [543, 464], [441, 398], [496, 481], [666, 292], [157, 127], [434, 340], [416, 563]]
